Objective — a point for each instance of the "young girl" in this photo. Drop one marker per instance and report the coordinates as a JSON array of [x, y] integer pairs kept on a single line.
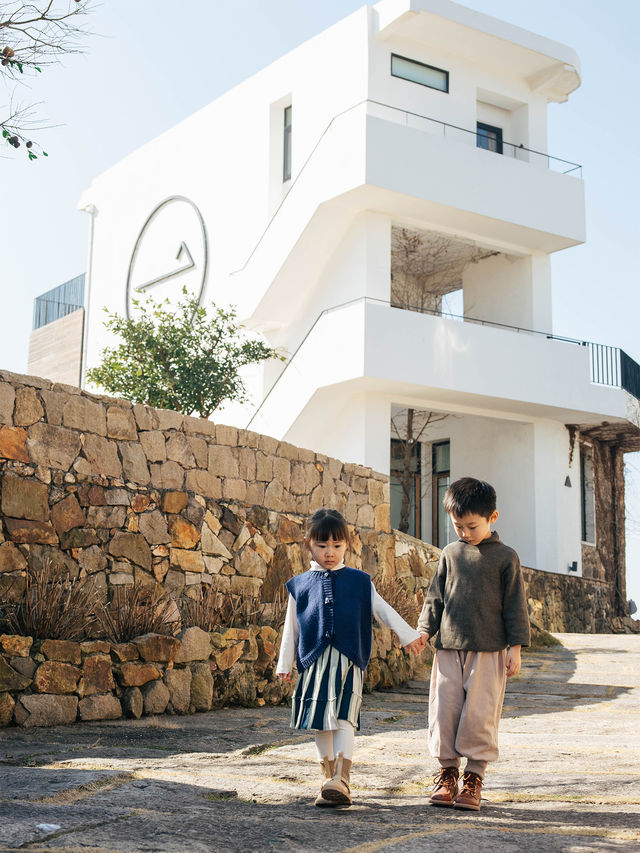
[[328, 631]]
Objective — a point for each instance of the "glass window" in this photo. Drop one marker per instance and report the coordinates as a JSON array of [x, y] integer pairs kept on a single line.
[[286, 151], [587, 494], [418, 72], [440, 461], [405, 492], [489, 137]]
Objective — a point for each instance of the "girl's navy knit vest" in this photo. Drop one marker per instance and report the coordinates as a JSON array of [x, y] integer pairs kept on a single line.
[[333, 608]]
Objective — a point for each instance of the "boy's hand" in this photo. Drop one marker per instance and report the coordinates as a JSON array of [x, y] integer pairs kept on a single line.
[[513, 661], [285, 676], [416, 646]]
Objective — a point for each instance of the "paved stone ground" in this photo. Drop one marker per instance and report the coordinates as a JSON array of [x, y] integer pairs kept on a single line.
[[241, 780]]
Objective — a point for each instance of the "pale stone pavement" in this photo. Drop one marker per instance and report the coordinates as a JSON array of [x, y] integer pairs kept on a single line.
[[240, 780]]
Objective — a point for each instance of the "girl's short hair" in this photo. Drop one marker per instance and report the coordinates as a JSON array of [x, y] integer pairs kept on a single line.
[[327, 524]]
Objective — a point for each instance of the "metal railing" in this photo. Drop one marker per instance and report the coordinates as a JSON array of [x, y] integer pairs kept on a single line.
[[517, 151], [609, 365]]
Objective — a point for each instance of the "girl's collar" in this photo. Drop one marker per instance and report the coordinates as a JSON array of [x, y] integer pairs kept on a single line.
[[316, 567]]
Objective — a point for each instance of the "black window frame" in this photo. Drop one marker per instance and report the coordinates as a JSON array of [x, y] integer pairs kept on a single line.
[[491, 128], [286, 143], [436, 506], [423, 65]]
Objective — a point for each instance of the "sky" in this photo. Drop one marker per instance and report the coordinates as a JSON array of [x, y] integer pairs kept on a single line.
[[151, 63]]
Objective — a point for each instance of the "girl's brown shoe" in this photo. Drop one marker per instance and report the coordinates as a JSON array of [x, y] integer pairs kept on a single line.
[[471, 794], [445, 788], [337, 788], [328, 768]]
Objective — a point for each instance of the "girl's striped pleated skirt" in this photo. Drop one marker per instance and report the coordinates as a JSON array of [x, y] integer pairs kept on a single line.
[[328, 691]]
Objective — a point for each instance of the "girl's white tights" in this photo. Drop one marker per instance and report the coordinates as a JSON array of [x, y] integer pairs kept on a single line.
[[330, 743]]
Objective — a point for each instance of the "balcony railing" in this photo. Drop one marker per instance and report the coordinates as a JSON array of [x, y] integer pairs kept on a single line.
[[610, 366], [508, 149]]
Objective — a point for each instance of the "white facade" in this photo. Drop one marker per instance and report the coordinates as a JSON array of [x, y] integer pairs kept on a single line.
[[312, 262]]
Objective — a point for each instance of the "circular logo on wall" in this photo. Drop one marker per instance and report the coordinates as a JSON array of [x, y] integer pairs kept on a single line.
[[171, 253]]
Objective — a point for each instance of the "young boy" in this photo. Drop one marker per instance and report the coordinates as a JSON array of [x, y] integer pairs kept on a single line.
[[477, 606]]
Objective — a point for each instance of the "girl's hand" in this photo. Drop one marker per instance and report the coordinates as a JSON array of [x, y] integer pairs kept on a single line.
[[285, 676], [416, 646]]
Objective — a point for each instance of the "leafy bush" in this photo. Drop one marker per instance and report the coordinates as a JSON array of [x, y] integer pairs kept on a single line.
[[53, 606], [135, 610]]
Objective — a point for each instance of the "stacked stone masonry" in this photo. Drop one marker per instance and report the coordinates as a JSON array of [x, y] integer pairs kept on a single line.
[[121, 493]]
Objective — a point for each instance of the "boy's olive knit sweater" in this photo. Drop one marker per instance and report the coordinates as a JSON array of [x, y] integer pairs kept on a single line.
[[477, 600]]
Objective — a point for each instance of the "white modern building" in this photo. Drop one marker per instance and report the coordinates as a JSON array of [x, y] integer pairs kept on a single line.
[[381, 204]]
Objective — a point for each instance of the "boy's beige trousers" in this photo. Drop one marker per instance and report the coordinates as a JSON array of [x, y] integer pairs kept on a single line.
[[465, 703]]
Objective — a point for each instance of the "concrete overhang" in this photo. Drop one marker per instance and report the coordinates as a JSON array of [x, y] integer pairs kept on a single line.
[[550, 68]]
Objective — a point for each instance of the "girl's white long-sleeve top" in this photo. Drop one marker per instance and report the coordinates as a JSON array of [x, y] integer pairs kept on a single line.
[[382, 613]]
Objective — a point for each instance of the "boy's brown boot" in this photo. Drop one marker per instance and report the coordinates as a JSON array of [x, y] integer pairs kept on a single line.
[[337, 788], [445, 789], [471, 794], [328, 768]]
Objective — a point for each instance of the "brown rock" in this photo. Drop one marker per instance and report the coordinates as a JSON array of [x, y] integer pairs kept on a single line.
[[174, 502], [188, 561], [46, 710], [195, 644], [289, 531], [282, 471], [92, 559], [178, 449], [383, 518], [7, 400], [167, 475], [226, 435], [132, 703], [234, 489], [11, 679], [13, 444], [125, 651], [140, 502], [97, 675], [245, 586], [53, 676], [67, 514], [102, 455], [64, 650], [79, 537], [223, 462], [146, 417], [105, 707], [28, 408], [134, 463], [183, 533], [226, 658], [22, 498], [168, 419], [200, 450], [14, 644], [212, 545], [117, 497], [155, 696], [192, 424], [203, 483], [121, 423], [6, 708], [84, 414], [153, 445], [137, 674], [274, 496], [29, 532], [201, 687], [250, 564], [106, 517], [95, 647], [53, 446], [12, 587], [133, 546], [157, 647], [153, 526], [11, 558], [178, 683]]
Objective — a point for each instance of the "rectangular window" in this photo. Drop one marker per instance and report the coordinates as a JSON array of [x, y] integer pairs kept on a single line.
[[587, 495], [405, 488], [418, 72], [489, 137], [441, 470], [286, 149]]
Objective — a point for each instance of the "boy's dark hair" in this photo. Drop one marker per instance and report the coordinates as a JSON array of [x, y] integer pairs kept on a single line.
[[327, 524], [470, 495]]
